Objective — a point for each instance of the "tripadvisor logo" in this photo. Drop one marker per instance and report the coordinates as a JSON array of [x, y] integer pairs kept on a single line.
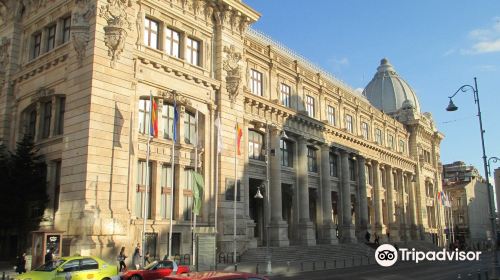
[[386, 255]]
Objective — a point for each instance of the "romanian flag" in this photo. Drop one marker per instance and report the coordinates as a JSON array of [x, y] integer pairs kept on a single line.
[[239, 134], [153, 131]]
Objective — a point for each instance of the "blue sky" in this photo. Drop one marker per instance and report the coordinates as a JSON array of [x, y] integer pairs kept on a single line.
[[436, 46]]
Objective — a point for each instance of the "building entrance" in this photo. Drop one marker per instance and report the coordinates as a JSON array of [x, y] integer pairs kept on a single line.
[[256, 209]]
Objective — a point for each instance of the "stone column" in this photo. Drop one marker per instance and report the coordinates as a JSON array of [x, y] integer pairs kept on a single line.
[[347, 234], [377, 199], [305, 233], [363, 199], [328, 234], [412, 200], [402, 208], [393, 228], [277, 227]]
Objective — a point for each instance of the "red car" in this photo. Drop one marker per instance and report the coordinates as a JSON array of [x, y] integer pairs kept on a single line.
[[216, 275], [155, 270]]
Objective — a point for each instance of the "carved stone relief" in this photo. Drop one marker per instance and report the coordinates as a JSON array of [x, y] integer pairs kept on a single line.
[[233, 74], [115, 13], [82, 13], [139, 24], [4, 54], [3, 14]]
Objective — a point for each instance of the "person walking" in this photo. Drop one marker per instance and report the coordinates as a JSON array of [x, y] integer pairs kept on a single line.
[[121, 260], [367, 236], [49, 257], [21, 264], [136, 258]]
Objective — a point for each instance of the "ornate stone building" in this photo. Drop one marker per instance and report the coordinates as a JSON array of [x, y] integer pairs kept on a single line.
[[77, 75]]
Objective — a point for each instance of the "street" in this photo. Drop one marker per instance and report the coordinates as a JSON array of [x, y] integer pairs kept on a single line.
[[423, 271]]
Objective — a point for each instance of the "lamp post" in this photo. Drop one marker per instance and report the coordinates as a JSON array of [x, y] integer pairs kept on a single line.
[[452, 107]]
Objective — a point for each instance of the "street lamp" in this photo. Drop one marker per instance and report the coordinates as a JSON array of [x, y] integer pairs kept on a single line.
[[452, 107], [494, 159]]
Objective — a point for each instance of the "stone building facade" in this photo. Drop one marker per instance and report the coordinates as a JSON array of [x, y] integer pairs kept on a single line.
[[468, 194], [77, 75]]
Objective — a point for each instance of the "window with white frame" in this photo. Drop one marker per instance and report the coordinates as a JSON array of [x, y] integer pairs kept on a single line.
[[285, 95], [331, 115], [255, 145], [151, 33], [66, 29], [142, 178], [390, 141], [348, 123], [312, 164], [188, 193], [365, 130], [310, 106], [51, 37], [189, 128], [192, 54], [167, 115], [402, 146], [286, 148], [256, 82], [378, 136], [166, 191], [144, 108], [172, 42]]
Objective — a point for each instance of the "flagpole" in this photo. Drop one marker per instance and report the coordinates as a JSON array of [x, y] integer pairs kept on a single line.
[[451, 213], [217, 156], [172, 189], [145, 197], [195, 170], [235, 188]]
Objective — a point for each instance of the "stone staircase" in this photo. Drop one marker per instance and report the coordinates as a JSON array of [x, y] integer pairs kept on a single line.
[[286, 260]]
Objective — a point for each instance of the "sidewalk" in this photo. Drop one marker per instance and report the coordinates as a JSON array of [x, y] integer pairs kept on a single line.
[[8, 269]]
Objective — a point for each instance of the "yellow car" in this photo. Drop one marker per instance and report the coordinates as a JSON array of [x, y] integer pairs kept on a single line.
[[74, 268]]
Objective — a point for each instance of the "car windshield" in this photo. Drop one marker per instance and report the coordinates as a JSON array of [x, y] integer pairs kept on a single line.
[[151, 265], [50, 266]]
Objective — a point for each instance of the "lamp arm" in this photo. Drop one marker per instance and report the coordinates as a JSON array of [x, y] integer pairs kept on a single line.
[[464, 89]]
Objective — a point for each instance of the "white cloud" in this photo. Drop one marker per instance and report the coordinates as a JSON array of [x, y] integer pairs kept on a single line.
[[487, 68], [486, 40], [449, 52], [338, 63]]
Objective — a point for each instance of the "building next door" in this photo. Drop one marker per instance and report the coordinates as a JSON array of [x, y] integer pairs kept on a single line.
[[256, 209]]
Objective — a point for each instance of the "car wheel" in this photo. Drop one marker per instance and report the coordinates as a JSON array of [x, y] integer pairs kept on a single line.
[[136, 277]]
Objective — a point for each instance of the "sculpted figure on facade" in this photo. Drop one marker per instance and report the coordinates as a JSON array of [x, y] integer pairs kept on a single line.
[[233, 74], [139, 24], [80, 17], [114, 33]]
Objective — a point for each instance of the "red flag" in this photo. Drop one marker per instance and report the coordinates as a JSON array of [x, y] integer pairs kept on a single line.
[[154, 118], [239, 134]]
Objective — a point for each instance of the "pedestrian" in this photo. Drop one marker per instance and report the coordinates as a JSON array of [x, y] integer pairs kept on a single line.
[[367, 236], [49, 257], [121, 260], [136, 257], [146, 258], [377, 241], [21, 264]]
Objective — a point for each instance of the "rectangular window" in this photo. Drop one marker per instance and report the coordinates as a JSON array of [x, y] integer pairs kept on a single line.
[[188, 193], [310, 106], [402, 146], [151, 33], [144, 108], [47, 115], [348, 123], [390, 141], [256, 82], [189, 128], [352, 170], [51, 37], [66, 29], [378, 136], [286, 148], [172, 42], [193, 51], [255, 145], [37, 43], [333, 165], [61, 107], [142, 178], [365, 131], [31, 122], [331, 115], [57, 185], [285, 95], [167, 115], [166, 191], [312, 165]]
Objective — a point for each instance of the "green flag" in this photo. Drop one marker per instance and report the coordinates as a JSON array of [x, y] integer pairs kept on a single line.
[[197, 187]]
